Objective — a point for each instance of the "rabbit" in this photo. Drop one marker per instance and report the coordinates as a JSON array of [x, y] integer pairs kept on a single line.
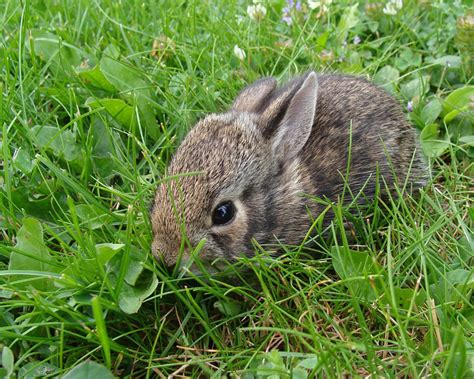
[[242, 176]]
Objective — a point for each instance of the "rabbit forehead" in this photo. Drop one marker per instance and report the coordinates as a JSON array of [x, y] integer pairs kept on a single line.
[[219, 147], [231, 127], [218, 157]]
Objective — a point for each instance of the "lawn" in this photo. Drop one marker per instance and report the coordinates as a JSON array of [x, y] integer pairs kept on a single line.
[[96, 96]]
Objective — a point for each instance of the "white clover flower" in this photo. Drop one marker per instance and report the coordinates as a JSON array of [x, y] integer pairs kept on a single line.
[[239, 53], [392, 7], [256, 12], [323, 4], [239, 18]]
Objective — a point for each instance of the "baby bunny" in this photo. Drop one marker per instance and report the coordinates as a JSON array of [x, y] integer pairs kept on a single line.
[[239, 176]]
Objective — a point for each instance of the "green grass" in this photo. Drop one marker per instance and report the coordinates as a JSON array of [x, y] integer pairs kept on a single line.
[[96, 96]]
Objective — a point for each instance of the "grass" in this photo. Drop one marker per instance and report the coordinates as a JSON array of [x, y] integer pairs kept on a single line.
[[95, 98]]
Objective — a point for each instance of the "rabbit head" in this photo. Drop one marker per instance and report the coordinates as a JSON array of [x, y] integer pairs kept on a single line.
[[235, 178]]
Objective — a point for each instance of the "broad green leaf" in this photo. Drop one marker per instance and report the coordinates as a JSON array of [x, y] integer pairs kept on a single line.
[[105, 140], [299, 373], [33, 370], [432, 143], [58, 94], [387, 77], [105, 251], [461, 276], [309, 363], [61, 56], [118, 109], [112, 51], [353, 62], [452, 115], [89, 370], [131, 298], [134, 87], [46, 45], [407, 58], [354, 268], [6, 294], [349, 263], [31, 253], [450, 61], [90, 216], [23, 198], [457, 101], [134, 269], [124, 77], [416, 87], [96, 78], [269, 371], [372, 25], [83, 269], [8, 361], [23, 161], [322, 39], [431, 111], [275, 357], [404, 297], [467, 140], [228, 307], [349, 19], [178, 84], [60, 142], [460, 364], [454, 286]]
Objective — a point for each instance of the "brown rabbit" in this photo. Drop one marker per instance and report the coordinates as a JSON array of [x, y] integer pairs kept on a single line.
[[247, 169]]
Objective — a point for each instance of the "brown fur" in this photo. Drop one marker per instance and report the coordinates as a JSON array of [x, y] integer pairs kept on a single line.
[[273, 146]]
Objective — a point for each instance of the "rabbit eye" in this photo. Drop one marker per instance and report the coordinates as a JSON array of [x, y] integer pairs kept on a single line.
[[223, 213]]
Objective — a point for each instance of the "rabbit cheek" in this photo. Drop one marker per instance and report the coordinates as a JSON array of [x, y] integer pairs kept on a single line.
[[227, 239]]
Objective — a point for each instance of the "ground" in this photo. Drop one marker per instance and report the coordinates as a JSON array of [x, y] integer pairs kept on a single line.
[[96, 96]]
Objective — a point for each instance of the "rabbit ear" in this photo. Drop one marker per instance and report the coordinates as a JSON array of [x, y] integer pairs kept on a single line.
[[252, 97], [296, 106]]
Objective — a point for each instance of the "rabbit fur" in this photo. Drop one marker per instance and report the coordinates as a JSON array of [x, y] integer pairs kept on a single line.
[[270, 148]]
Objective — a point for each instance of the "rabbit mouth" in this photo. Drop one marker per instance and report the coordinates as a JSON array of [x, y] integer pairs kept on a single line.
[[189, 267], [194, 270]]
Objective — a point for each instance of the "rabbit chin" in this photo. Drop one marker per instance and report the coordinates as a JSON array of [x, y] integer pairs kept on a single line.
[[188, 266]]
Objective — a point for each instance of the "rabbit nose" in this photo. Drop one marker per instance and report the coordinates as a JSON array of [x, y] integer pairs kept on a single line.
[[156, 249], [168, 255], [161, 252]]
